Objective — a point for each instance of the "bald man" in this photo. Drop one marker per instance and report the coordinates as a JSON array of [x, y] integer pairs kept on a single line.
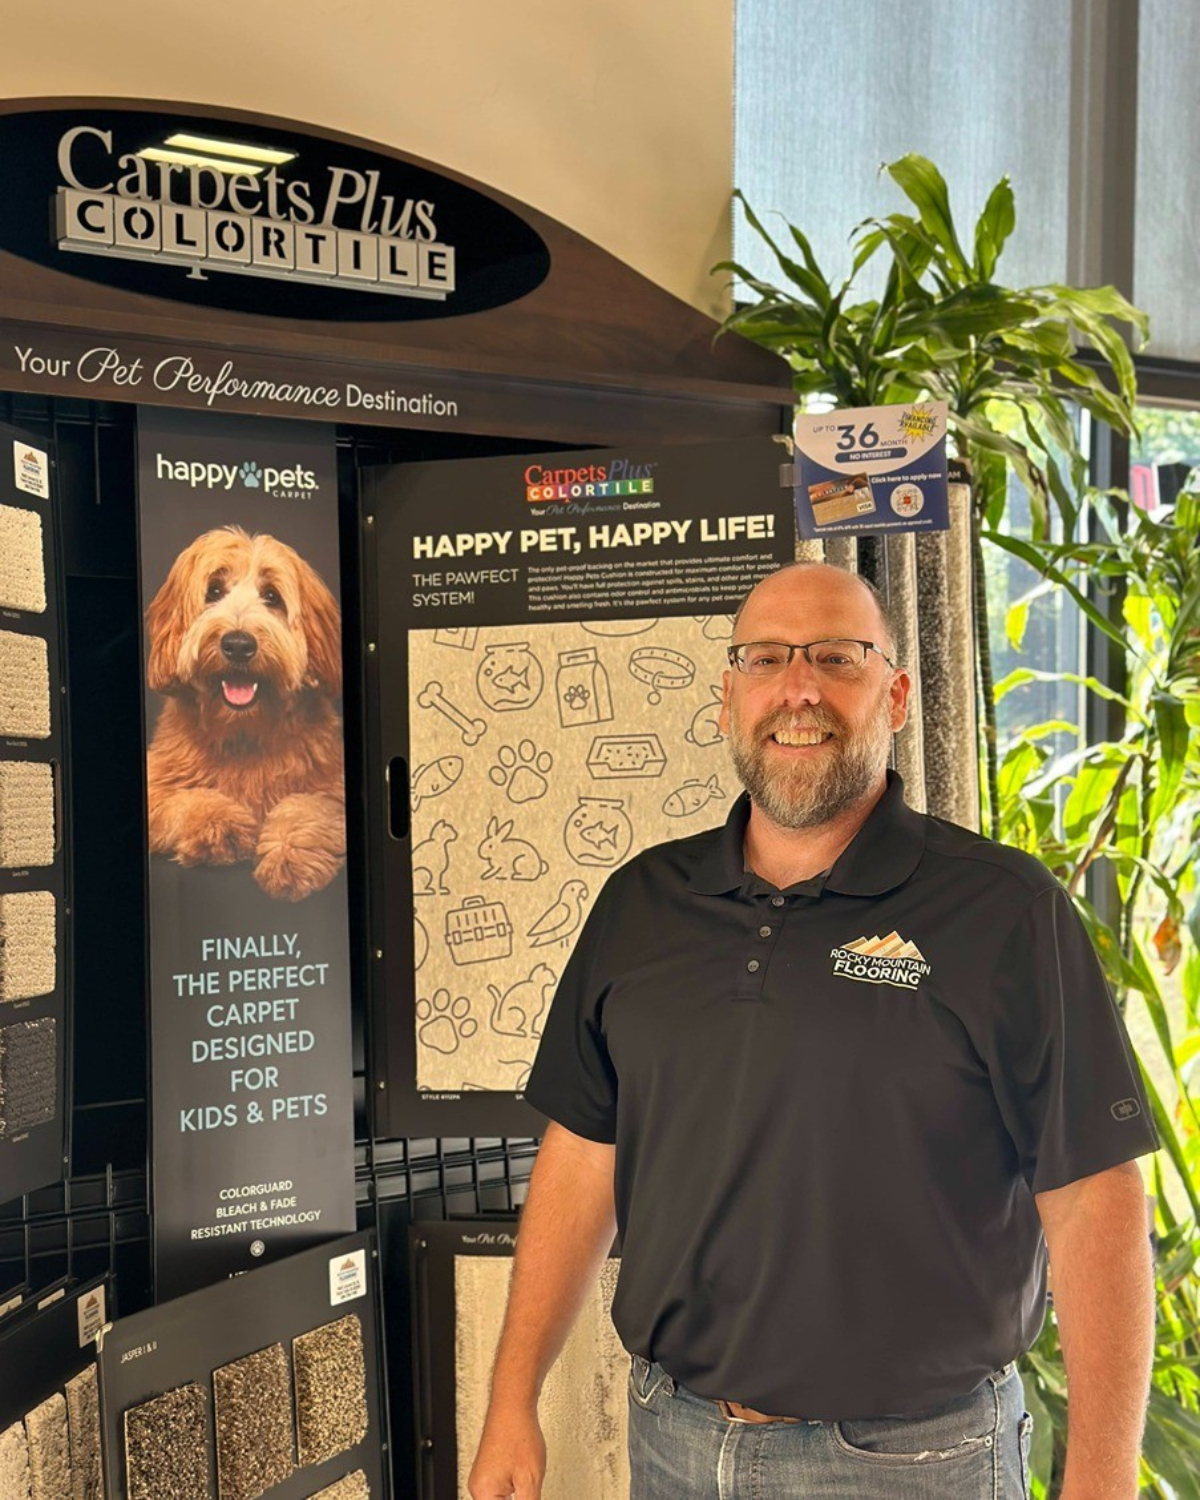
[[841, 1075]]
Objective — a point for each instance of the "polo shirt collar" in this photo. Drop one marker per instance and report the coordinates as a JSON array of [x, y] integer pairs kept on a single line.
[[882, 854]]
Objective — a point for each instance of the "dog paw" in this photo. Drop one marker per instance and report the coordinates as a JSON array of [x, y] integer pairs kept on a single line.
[[289, 872], [214, 830]]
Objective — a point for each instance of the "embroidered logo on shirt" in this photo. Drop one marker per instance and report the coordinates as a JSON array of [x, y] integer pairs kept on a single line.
[[1125, 1109], [875, 960]]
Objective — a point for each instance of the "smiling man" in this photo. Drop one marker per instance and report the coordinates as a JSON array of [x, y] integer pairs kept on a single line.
[[840, 1074]]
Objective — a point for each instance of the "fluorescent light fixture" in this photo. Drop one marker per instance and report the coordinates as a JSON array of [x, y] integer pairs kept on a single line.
[[193, 159], [229, 148]]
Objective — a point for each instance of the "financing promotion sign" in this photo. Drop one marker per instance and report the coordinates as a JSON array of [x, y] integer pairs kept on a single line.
[[251, 1072], [872, 469]]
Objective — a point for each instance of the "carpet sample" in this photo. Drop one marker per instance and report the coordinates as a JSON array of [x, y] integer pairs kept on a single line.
[[353, 1487], [331, 1390], [49, 1450], [83, 1424], [26, 814], [28, 1075], [28, 964], [24, 686], [166, 1446], [252, 1401], [22, 572], [14, 1463]]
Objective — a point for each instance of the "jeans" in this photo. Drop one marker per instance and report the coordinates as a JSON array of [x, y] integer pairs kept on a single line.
[[975, 1447]]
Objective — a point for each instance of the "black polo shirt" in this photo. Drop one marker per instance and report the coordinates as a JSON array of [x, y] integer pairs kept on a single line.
[[832, 1105]]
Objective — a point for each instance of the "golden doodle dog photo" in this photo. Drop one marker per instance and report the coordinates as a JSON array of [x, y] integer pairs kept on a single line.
[[246, 760]]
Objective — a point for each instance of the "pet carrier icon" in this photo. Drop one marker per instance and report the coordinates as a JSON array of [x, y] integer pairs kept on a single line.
[[478, 930]]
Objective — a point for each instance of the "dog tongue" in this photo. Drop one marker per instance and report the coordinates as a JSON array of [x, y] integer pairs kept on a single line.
[[240, 693]]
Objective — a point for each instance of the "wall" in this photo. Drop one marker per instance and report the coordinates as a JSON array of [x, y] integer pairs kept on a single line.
[[612, 116]]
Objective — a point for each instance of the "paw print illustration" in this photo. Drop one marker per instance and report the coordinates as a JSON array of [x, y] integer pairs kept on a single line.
[[577, 697], [444, 1023], [251, 474], [522, 772]]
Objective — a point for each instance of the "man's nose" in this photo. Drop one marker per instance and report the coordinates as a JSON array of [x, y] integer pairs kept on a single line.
[[800, 682]]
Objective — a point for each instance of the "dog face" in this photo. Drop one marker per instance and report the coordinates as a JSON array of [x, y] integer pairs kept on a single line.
[[243, 624]]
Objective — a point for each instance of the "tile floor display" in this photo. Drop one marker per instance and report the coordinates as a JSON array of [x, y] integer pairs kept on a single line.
[[544, 756], [83, 1425], [22, 570], [28, 1075], [49, 1450], [254, 1422], [583, 1407], [26, 814], [14, 1463], [331, 1392], [353, 1487], [166, 1446], [28, 958], [24, 686]]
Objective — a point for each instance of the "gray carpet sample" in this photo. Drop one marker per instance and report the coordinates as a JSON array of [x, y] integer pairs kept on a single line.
[[28, 1075]]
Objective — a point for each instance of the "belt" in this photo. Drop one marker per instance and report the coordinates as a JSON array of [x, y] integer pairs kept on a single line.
[[734, 1411]]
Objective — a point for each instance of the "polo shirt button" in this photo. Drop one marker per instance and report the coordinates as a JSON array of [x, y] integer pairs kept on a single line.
[[764, 932], [753, 966], [777, 900]]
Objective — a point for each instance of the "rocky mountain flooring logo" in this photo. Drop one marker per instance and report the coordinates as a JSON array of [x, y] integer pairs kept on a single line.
[[875, 960]]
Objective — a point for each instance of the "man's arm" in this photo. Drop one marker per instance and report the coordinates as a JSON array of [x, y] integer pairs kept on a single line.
[[1103, 1282], [567, 1228]]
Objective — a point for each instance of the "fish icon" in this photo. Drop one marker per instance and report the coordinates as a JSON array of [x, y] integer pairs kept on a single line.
[[510, 680], [435, 778], [691, 797], [601, 836]]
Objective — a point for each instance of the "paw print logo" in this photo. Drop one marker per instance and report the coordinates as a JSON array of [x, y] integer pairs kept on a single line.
[[444, 1024], [251, 474], [577, 697], [522, 772]]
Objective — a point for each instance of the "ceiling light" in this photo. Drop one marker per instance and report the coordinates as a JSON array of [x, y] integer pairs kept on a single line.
[[230, 148], [193, 159]]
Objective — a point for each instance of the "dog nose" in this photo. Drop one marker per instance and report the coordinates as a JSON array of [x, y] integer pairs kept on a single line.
[[238, 646]]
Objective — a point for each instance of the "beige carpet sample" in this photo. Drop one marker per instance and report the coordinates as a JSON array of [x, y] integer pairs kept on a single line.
[[331, 1390], [49, 1450], [28, 960], [22, 572], [14, 1463], [28, 1075], [353, 1487], [26, 814], [166, 1446], [583, 1408], [24, 686], [83, 1424], [252, 1400]]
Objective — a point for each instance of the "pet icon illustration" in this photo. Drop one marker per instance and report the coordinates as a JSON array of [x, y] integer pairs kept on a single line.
[[705, 728], [518, 1011], [245, 647], [559, 922], [444, 1024], [509, 676], [509, 858], [521, 773], [692, 796], [431, 860], [420, 941], [435, 778], [598, 832]]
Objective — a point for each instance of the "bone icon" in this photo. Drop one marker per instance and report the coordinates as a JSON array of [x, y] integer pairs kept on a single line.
[[431, 696]]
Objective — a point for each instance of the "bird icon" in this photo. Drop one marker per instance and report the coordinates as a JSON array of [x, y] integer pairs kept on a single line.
[[561, 920]]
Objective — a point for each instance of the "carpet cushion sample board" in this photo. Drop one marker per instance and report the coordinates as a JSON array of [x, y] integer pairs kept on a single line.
[[83, 1424], [49, 1450], [14, 1463], [253, 1409], [24, 686], [28, 1075], [166, 1446], [331, 1396], [583, 1407], [22, 572], [26, 814], [27, 955]]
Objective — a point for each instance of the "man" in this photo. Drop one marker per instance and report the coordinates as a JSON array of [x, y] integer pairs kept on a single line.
[[840, 1073]]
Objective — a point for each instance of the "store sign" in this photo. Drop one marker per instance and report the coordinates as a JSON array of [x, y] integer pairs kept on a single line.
[[192, 208]]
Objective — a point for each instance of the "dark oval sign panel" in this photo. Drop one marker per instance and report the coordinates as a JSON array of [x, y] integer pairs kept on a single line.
[[254, 218]]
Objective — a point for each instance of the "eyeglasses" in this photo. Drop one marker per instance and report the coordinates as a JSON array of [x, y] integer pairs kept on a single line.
[[831, 658]]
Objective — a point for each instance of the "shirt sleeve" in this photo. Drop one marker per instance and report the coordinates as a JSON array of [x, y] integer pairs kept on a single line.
[[573, 1080], [1063, 1072]]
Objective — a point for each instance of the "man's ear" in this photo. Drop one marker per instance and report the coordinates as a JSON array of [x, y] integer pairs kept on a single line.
[[899, 692]]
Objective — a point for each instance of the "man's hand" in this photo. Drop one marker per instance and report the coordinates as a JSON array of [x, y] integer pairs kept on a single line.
[[511, 1461]]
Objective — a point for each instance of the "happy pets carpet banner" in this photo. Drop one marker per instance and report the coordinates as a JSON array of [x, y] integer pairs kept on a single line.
[[251, 1074]]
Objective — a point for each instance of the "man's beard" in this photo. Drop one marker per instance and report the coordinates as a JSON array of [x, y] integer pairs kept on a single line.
[[802, 795]]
